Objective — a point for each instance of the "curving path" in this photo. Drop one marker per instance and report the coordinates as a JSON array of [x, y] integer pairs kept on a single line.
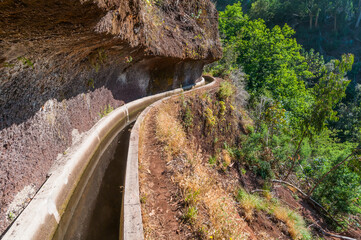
[[64, 206], [131, 213]]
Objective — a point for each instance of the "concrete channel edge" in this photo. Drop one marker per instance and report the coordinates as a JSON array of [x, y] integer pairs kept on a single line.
[[41, 218], [131, 218]]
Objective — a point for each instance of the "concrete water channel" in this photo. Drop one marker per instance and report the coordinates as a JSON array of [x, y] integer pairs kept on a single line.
[[83, 198], [105, 221], [98, 213]]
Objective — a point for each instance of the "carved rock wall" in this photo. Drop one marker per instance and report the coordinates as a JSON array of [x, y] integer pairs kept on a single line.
[[63, 62]]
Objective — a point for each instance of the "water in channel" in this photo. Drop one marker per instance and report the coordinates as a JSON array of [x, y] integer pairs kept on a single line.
[[105, 219]]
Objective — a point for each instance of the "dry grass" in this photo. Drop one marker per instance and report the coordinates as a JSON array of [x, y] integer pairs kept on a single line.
[[267, 195], [144, 189], [209, 209], [170, 132], [249, 204], [284, 214], [227, 159], [294, 222]]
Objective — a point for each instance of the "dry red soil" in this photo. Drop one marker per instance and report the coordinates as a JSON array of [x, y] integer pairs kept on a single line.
[[163, 206]]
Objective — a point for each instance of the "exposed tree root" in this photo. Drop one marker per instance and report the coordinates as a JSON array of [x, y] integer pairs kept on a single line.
[[312, 201]]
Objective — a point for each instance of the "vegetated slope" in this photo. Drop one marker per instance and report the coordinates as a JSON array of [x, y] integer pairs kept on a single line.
[[196, 183], [66, 63], [295, 96]]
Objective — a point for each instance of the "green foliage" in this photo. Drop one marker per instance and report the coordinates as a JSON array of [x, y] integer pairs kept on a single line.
[[263, 152], [186, 113], [275, 116], [9, 65], [211, 120], [264, 170], [26, 61], [313, 12], [191, 197], [191, 214], [319, 157], [349, 114], [97, 59], [345, 191], [221, 4], [212, 160], [270, 57], [91, 83], [222, 109], [226, 65], [11, 216], [129, 59], [295, 96], [250, 129], [188, 118], [226, 89], [316, 65], [107, 109], [329, 90], [265, 9]]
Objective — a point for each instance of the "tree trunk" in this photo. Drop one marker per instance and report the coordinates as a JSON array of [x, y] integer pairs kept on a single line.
[[335, 22], [316, 20], [295, 155], [359, 14], [358, 19], [311, 20], [332, 169]]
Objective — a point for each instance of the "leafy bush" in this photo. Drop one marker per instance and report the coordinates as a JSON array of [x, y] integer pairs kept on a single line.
[[265, 153], [211, 120], [187, 117], [226, 89], [342, 197]]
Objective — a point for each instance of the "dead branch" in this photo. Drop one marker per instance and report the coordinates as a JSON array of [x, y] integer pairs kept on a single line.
[[259, 190], [330, 234], [311, 200], [289, 184]]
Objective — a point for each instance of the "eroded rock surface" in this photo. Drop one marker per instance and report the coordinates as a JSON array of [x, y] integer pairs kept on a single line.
[[62, 62]]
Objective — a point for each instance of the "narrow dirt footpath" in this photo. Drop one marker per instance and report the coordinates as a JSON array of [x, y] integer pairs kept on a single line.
[[159, 193]]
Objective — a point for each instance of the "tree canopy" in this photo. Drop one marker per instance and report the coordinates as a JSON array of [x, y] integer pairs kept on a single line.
[[295, 97]]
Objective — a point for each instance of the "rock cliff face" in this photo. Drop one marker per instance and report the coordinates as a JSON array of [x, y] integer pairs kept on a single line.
[[62, 62]]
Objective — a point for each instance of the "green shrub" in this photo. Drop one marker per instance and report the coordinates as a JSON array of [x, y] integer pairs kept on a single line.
[[223, 108], [212, 160], [191, 214], [188, 118], [211, 120], [226, 89], [191, 197], [264, 170]]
